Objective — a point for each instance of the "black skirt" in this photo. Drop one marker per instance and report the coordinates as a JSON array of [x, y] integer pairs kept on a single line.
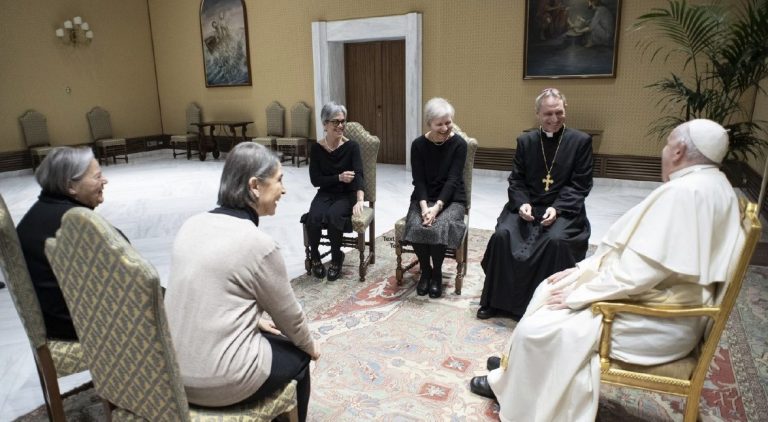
[[331, 210], [448, 228]]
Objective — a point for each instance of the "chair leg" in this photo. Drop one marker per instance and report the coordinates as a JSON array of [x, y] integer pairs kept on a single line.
[[372, 235], [361, 251], [691, 413], [49, 383], [307, 252], [399, 270]]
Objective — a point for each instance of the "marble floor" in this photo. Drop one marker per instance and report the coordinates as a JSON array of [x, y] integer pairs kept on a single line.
[[150, 197]]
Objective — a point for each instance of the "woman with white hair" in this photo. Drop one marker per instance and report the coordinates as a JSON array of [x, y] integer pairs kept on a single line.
[[225, 274], [69, 178], [435, 219], [336, 169]]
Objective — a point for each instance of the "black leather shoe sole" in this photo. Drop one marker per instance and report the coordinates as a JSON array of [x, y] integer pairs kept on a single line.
[[479, 386], [485, 312], [493, 362]]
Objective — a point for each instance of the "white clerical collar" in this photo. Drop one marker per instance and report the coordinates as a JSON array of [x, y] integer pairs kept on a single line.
[[691, 169], [549, 134]]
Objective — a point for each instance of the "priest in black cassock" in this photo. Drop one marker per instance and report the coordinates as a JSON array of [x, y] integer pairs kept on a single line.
[[543, 228]]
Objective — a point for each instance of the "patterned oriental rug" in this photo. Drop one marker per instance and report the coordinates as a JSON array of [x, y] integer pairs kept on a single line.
[[388, 354]]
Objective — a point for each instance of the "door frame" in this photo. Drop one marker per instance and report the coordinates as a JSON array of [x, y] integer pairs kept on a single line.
[[328, 40]]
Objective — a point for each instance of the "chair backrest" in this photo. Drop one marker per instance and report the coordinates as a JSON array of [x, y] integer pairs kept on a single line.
[[726, 294], [194, 115], [369, 150], [275, 119], [300, 118], [469, 163], [117, 309], [35, 129], [100, 124], [19, 282]]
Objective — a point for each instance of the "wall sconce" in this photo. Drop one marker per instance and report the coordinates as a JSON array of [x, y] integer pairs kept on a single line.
[[75, 32]]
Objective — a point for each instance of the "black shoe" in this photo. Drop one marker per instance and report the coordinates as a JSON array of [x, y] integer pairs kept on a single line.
[[479, 386], [334, 270], [318, 269], [436, 284], [493, 362], [423, 287], [2, 284], [486, 312]]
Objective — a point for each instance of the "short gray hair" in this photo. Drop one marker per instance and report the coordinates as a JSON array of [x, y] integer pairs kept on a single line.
[[692, 153], [61, 167], [436, 108], [246, 160], [549, 92], [331, 109]]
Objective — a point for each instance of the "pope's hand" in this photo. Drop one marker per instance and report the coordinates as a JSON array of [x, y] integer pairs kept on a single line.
[[525, 212]]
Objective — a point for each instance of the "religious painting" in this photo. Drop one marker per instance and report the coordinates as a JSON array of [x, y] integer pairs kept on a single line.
[[571, 38], [224, 33]]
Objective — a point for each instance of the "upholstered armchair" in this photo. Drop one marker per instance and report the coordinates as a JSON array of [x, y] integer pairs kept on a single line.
[[686, 376], [369, 149], [459, 254], [116, 303], [275, 126], [298, 141], [35, 129], [53, 358], [188, 140], [101, 132]]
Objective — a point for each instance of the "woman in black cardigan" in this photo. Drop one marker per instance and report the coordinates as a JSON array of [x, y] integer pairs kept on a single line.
[[336, 169]]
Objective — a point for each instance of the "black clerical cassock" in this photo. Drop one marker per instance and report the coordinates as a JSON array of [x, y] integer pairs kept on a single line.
[[547, 172]]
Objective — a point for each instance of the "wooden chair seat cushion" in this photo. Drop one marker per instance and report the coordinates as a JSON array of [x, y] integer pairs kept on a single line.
[[265, 140], [40, 151], [67, 356], [681, 369], [289, 141], [110, 142], [360, 223], [183, 139]]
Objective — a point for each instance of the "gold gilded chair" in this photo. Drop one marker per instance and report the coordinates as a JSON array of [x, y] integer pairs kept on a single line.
[[459, 254], [189, 139], [115, 299], [53, 358], [683, 377], [101, 132], [35, 129], [369, 150], [275, 126], [298, 141]]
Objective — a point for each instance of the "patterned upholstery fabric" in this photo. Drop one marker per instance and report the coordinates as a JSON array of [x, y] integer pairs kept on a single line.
[[361, 222], [101, 132], [189, 140], [369, 149], [298, 139], [117, 308], [275, 125], [67, 356]]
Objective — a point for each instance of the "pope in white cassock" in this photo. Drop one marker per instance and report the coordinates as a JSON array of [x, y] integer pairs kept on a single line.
[[669, 249]]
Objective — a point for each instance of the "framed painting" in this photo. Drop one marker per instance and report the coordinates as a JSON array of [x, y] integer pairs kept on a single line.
[[571, 38], [224, 35]]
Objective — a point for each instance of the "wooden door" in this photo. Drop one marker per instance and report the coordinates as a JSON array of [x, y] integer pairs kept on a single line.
[[374, 75]]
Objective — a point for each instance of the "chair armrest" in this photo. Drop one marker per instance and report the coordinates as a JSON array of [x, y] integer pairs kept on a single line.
[[610, 309]]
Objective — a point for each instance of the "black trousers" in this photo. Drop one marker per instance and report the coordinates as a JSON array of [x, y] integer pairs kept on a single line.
[[288, 363]]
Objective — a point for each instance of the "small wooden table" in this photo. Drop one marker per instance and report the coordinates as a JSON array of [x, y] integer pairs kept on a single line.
[[229, 127]]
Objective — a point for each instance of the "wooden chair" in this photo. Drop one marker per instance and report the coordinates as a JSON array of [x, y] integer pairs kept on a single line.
[[35, 129], [683, 377], [369, 149], [117, 308], [188, 140], [101, 132], [53, 358], [459, 254], [299, 139], [275, 126]]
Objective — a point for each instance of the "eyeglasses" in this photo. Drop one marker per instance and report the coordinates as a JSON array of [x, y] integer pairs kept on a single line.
[[336, 122]]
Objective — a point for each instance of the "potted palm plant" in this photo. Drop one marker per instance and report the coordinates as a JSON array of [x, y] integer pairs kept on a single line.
[[723, 48]]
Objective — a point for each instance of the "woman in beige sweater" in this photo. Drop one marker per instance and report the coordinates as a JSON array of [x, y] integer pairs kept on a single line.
[[225, 273]]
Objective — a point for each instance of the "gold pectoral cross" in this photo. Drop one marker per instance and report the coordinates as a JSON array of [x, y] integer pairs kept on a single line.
[[547, 181]]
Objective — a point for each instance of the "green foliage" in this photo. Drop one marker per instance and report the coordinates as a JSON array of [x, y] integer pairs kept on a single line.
[[724, 49]]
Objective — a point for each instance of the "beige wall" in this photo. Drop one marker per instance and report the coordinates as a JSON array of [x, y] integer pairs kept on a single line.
[[473, 55], [116, 71]]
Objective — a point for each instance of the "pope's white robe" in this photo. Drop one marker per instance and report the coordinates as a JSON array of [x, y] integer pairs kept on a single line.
[[668, 249]]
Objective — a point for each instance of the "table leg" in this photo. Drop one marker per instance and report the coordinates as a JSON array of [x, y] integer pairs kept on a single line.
[[201, 142]]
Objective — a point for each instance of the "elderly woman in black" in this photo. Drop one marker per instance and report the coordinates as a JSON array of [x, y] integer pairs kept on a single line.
[[69, 177], [336, 169], [435, 219]]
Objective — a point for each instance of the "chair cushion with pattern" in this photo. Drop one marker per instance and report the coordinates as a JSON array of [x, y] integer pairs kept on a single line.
[[67, 356], [361, 222]]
